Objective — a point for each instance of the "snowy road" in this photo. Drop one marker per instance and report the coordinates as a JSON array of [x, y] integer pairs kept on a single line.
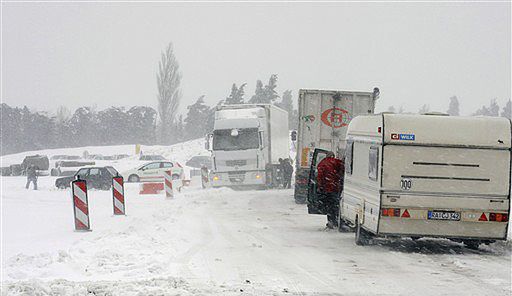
[[221, 242]]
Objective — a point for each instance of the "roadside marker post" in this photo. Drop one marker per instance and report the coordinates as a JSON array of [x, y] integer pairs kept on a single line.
[[80, 205], [118, 195], [168, 184]]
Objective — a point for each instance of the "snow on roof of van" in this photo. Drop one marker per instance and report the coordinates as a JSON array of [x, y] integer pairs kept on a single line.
[[488, 132]]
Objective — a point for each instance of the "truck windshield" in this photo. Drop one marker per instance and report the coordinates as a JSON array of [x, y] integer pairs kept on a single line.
[[247, 138]]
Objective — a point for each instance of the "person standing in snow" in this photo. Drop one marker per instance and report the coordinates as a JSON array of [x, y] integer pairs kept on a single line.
[[280, 174], [287, 169], [31, 176], [330, 185]]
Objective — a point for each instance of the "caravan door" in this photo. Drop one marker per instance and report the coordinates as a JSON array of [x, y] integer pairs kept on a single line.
[[315, 205]]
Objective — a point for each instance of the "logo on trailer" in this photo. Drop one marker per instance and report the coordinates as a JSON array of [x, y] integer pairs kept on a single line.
[[336, 117], [403, 137]]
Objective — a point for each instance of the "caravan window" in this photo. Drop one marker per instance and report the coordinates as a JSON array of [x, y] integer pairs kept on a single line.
[[348, 158], [373, 163]]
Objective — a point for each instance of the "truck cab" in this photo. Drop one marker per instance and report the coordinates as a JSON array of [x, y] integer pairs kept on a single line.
[[246, 145]]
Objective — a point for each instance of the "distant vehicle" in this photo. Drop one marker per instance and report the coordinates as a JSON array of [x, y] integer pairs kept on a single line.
[[246, 144], [16, 169], [5, 171], [151, 157], [199, 161], [407, 176], [41, 162], [324, 116], [121, 156], [154, 171], [72, 163], [96, 177], [96, 156], [109, 157], [63, 166], [65, 157]]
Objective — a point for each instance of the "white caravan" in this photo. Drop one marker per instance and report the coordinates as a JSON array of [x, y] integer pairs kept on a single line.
[[246, 144], [427, 176]]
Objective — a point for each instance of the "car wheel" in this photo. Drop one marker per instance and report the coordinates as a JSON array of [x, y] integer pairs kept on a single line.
[[362, 237], [133, 178]]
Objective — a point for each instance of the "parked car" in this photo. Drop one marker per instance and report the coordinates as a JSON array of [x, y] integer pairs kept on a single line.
[[151, 157], [199, 161], [153, 171], [96, 177]]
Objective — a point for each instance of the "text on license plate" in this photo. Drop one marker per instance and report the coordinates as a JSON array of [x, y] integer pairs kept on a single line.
[[442, 215]]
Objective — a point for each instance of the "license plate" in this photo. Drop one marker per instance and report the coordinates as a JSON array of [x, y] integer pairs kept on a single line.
[[443, 215]]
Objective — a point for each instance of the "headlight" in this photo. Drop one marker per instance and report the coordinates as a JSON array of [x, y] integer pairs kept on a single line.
[[216, 178], [258, 176]]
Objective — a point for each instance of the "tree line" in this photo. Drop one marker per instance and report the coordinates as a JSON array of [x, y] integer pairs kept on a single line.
[[493, 109], [25, 130]]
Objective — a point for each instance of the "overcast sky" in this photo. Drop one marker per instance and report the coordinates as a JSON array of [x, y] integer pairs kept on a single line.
[[106, 54]]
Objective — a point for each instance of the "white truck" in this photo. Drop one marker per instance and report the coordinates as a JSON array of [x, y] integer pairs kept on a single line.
[[246, 144], [323, 119]]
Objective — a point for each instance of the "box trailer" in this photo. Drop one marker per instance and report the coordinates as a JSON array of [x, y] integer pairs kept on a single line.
[[324, 116], [428, 176], [246, 144]]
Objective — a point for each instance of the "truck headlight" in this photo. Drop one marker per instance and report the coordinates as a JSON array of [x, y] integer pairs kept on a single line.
[[216, 178], [258, 176]]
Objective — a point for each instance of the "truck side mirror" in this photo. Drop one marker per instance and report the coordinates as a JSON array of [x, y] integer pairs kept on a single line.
[[208, 144], [261, 139]]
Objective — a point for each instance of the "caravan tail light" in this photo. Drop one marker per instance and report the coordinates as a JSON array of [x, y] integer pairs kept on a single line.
[[391, 212], [497, 217], [482, 217], [405, 214]]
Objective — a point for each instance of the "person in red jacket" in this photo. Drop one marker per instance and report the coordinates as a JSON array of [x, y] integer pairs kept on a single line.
[[330, 184]]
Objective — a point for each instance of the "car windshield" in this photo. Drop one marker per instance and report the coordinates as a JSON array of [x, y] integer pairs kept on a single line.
[[242, 139]]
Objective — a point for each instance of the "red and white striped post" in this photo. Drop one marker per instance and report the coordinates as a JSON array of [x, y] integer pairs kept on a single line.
[[168, 184], [118, 195], [80, 205]]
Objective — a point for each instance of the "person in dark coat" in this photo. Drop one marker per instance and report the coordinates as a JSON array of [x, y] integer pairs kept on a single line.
[[330, 185], [287, 169], [31, 176], [280, 174]]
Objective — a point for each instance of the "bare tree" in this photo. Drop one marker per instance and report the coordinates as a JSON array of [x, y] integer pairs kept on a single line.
[[169, 94]]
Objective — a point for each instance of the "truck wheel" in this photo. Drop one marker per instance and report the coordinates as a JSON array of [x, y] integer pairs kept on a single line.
[[133, 178], [471, 244], [362, 237]]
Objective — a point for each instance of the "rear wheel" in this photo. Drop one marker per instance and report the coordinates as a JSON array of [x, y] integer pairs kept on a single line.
[[362, 237], [133, 178]]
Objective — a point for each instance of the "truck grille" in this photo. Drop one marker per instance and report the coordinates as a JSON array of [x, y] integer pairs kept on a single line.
[[236, 177], [237, 162]]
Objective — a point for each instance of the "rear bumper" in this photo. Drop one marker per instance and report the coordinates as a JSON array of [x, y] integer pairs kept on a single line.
[[238, 179], [449, 229]]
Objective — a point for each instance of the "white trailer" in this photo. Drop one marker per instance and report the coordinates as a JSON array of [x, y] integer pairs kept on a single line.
[[324, 116], [246, 144], [428, 176]]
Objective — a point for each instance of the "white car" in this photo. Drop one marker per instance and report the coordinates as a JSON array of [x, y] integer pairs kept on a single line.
[[153, 171]]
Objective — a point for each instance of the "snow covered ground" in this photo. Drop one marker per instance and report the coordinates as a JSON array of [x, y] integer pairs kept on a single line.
[[218, 242]]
